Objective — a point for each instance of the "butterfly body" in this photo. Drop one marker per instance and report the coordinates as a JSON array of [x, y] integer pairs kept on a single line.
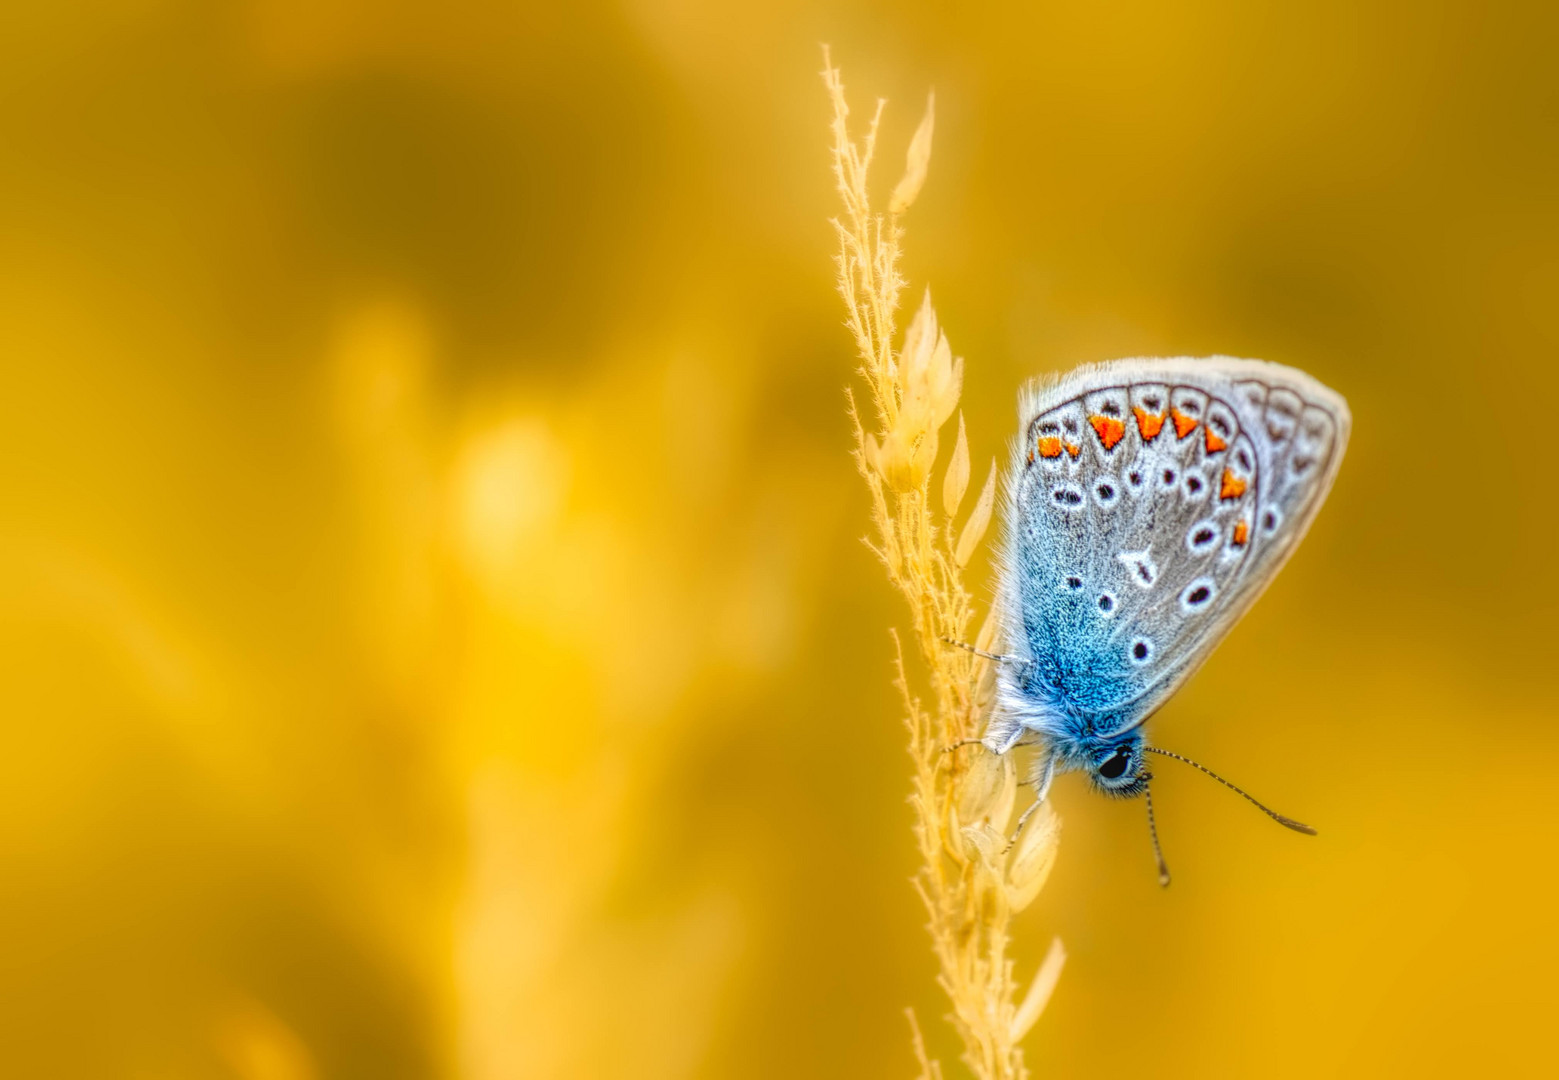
[[1148, 504]]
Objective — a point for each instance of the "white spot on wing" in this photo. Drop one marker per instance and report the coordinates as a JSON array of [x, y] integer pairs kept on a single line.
[[1140, 568]]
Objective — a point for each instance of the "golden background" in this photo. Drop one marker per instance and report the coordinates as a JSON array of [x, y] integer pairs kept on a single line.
[[436, 639]]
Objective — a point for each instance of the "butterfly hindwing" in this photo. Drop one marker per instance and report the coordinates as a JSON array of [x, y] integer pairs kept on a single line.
[[1149, 502]]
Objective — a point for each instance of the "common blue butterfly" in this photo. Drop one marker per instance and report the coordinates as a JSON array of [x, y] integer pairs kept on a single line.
[[1148, 504]]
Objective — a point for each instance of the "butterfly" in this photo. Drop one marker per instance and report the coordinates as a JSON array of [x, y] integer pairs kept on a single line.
[[1148, 504]]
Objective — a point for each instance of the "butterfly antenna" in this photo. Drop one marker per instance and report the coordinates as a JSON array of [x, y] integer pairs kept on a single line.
[[1297, 826], [1158, 852], [980, 652]]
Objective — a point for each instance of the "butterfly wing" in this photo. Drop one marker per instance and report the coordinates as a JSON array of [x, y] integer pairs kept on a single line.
[[1149, 502]]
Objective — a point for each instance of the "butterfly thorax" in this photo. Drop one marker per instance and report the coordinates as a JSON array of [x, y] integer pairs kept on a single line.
[[1027, 702]]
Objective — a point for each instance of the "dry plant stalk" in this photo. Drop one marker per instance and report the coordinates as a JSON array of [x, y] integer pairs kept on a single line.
[[973, 880]]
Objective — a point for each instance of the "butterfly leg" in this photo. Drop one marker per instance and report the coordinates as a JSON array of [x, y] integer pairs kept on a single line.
[[1041, 783], [1047, 773], [961, 743], [1002, 733], [998, 657]]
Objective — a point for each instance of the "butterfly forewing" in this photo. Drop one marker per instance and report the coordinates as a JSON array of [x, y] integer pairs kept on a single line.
[[1150, 501]]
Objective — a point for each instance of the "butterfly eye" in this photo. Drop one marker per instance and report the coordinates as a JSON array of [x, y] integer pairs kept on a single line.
[[1115, 767]]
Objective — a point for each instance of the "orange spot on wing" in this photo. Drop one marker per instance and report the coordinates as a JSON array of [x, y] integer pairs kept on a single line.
[[1073, 449], [1233, 487], [1214, 443], [1183, 423], [1110, 430], [1031, 457], [1050, 446], [1148, 424], [1241, 533]]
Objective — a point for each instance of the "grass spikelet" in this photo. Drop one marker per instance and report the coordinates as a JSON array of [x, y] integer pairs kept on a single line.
[[973, 879]]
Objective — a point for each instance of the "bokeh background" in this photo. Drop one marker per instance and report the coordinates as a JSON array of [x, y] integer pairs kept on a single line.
[[435, 636]]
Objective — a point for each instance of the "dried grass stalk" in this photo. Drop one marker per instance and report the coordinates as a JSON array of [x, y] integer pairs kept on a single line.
[[973, 879]]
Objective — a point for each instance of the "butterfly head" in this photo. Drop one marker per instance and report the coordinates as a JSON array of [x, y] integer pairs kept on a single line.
[[1118, 767]]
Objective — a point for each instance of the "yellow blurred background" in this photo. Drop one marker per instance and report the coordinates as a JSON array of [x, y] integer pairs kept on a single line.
[[436, 639]]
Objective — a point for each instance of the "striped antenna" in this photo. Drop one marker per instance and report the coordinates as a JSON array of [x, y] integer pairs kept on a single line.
[[1158, 852], [1297, 826]]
